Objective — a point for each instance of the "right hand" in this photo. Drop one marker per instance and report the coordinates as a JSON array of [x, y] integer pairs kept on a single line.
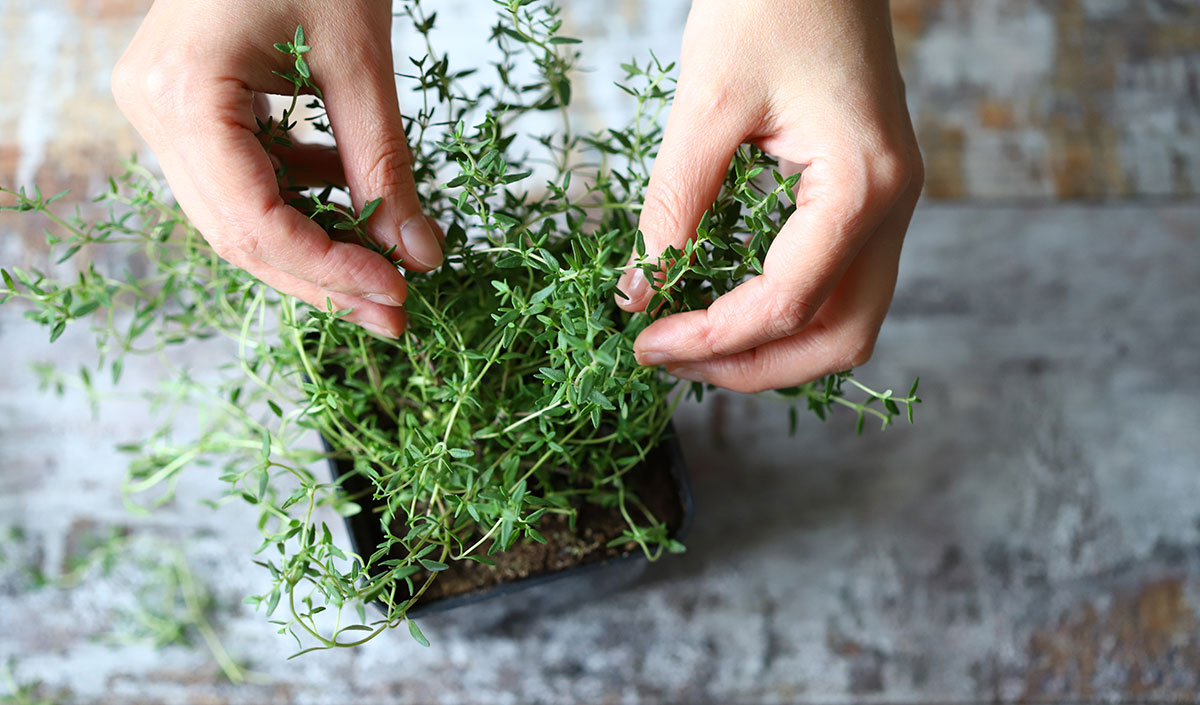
[[188, 82]]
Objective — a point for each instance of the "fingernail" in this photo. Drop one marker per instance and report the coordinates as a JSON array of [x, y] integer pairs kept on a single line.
[[650, 358], [420, 243], [689, 373], [383, 299], [633, 283], [379, 330]]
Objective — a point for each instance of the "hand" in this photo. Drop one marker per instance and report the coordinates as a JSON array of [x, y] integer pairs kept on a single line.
[[815, 83], [189, 81]]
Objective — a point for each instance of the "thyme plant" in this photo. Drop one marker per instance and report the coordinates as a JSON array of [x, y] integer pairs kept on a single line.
[[513, 394]]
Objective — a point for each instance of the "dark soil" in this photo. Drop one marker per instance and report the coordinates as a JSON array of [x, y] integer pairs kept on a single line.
[[595, 525]]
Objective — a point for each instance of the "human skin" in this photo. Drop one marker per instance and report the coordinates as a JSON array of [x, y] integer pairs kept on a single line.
[[189, 82], [813, 82], [816, 84]]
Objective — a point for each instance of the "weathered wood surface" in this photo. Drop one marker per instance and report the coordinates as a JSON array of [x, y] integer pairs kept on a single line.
[[1014, 99], [1036, 537]]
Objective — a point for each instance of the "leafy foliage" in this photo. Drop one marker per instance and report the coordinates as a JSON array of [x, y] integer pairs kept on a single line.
[[514, 393]]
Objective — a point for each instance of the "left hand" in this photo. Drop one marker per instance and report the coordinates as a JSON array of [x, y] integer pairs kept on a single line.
[[815, 83]]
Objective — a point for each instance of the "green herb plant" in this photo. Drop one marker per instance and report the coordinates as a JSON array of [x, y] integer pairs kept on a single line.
[[513, 394]]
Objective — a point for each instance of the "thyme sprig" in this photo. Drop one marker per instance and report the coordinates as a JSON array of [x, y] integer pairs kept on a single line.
[[513, 394]]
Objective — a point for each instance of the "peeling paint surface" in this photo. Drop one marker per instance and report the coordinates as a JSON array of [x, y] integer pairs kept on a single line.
[[1013, 99], [1035, 538]]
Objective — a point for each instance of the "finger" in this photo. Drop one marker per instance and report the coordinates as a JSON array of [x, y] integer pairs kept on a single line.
[[698, 144], [365, 116], [838, 208], [382, 316], [235, 201], [841, 337], [385, 320], [310, 165]]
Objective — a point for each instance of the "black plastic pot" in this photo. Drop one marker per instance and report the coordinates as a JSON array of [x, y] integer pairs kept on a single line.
[[544, 592]]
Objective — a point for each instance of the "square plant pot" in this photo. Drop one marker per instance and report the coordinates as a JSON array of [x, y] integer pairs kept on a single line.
[[570, 568]]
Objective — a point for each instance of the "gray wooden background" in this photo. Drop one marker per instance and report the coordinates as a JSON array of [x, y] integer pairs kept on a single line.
[[1036, 537]]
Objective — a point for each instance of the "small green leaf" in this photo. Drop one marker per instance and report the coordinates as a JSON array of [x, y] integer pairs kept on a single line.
[[70, 252], [357, 628], [513, 34], [432, 566], [557, 376], [84, 309], [600, 400], [404, 571], [415, 631], [514, 177], [543, 293], [368, 208]]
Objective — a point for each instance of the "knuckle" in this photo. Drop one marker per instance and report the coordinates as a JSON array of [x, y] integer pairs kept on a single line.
[[244, 241], [124, 82], [247, 242], [334, 271], [665, 207], [225, 249], [389, 169], [714, 99], [917, 182], [161, 83], [714, 342], [857, 350], [170, 80], [752, 373], [787, 315], [893, 173]]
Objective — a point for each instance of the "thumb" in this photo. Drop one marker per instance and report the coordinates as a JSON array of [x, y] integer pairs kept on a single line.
[[697, 147], [365, 116]]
